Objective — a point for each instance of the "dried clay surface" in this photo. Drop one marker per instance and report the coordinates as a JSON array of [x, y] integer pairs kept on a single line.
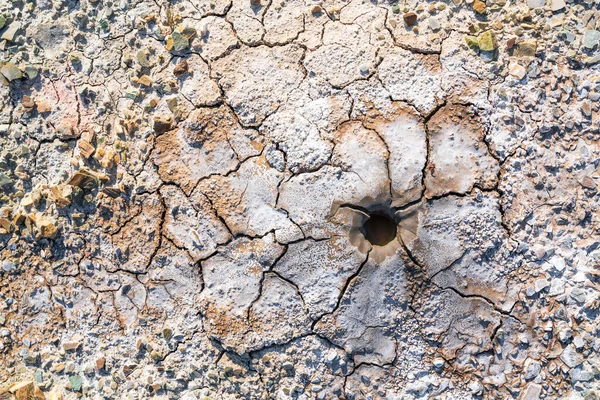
[[299, 199]]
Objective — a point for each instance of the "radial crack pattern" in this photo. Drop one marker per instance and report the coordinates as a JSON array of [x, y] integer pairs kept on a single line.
[[268, 199]]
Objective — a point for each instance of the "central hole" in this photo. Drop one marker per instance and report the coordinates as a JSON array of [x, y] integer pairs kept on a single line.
[[379, 229]]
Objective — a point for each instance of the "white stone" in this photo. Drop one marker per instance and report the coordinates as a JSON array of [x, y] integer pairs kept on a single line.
[[558, 5], [517, 70]]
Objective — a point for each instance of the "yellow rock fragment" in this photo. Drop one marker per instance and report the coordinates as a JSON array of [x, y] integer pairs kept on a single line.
[[479, 6], [43, 107], [100, 362], [47, 227], [24, 391], [38, 394], [145, 80], [27, 201], [57, 195], [169, 44], [5, 226], [85, 148], [81, 178]]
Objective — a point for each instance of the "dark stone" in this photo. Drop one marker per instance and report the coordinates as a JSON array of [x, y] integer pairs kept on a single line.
[[410, 18]]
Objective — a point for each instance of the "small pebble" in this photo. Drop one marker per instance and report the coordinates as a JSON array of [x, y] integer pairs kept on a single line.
[[591, 39], [11, 32], [516, 70], [8, 266], [410, 18], [434, 24]]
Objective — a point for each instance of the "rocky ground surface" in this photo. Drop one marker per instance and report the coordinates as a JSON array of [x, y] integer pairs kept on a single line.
[[298, 199]]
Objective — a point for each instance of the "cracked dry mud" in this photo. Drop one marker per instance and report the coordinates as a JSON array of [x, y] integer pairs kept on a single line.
[[299, 199]]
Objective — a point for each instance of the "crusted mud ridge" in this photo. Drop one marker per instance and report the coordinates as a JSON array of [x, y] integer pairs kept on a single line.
[[297, 199]]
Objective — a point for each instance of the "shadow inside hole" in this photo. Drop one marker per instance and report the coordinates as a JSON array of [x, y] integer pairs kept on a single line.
[[379, 229]]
